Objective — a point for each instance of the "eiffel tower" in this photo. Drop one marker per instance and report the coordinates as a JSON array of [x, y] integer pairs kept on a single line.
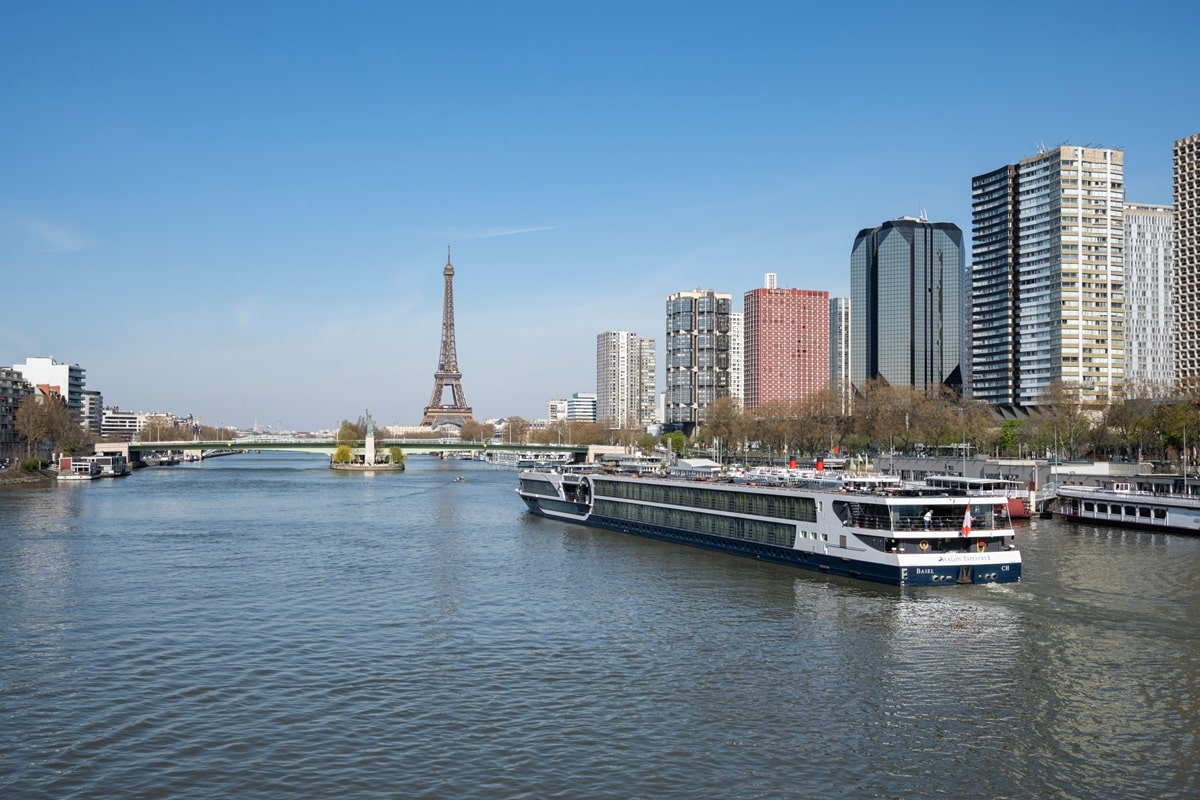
[[438, 414]]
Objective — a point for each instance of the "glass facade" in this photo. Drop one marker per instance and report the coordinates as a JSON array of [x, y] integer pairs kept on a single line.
[[905, 279]]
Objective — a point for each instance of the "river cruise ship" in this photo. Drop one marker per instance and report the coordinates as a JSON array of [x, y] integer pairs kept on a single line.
[[1170, 506], [896, 535]]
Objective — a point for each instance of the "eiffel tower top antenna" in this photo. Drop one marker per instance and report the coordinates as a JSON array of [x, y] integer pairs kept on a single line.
[[447, 376]]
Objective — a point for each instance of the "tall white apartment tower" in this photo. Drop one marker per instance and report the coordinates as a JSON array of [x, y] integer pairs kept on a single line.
[[1149, 309], [698, 343], [737, 356], [839, 353], [1187, 261], [647, 382], [625, 380], [1047, 298]]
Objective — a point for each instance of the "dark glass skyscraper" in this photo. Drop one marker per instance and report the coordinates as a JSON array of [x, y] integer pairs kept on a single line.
[[907, 305]]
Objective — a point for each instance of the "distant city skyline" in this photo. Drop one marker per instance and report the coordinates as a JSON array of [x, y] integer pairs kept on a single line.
[[241, 213]]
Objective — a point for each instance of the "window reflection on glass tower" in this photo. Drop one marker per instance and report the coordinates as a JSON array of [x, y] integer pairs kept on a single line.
[[905, 292]]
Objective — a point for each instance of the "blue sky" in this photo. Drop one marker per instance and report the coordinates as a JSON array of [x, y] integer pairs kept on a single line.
[[241, 210]]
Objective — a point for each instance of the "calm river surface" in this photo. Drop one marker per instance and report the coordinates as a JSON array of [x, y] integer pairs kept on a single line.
[[261, 627]]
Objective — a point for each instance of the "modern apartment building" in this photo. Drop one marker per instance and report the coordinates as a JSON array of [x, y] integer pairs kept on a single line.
[[69, 378], [1149, 306], [124, 425], [905, 291], [698, 355], [556, 410], [13, 389], [581, 406], [625, 380], [91, 410], [1048, 277], [839, 353], [737, 357], [786, 343], [1187, 260]]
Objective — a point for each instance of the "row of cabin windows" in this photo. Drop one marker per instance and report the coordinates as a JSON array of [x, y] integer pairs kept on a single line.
[[1128, 511], [803, 509], [751, 530]]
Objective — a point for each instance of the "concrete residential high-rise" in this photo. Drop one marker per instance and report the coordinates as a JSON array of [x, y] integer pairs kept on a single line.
[[786, 343], [1149, 309], [737, 357], [906, 325], [1186, 184], [13, 389], [698, 359], [839, 353], [1048, 277], [625, 379]]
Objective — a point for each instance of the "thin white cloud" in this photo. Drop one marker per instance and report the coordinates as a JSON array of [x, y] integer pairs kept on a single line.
[[50, 237], [492, 233]]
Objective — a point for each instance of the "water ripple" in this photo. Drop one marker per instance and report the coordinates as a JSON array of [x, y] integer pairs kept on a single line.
[[239, 631]]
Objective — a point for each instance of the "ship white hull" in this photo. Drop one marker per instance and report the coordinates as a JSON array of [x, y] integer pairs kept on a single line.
[[829, 543]]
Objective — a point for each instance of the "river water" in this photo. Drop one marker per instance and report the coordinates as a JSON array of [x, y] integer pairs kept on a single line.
[[261, 627]]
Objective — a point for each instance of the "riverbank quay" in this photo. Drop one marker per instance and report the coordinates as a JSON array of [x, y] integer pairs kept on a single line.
[[13, 476]]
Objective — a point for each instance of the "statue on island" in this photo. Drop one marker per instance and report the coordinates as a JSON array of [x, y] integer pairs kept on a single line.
[[347, 460]]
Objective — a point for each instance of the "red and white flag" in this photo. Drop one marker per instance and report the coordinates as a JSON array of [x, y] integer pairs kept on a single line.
[[967, 521]]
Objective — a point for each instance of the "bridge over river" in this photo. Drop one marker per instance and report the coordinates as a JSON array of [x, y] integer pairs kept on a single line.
[[302, 444]]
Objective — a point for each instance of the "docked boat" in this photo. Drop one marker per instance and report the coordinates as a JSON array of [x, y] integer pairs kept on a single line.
[[77, 469], [527, 460], [906, 537], [111, 466], [1146, 504], [1019, 504]]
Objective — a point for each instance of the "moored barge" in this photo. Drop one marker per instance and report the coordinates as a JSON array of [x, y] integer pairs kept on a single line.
[[1149, 504]]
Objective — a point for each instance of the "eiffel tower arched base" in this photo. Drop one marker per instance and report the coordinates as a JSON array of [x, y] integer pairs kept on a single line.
[[443, 416]]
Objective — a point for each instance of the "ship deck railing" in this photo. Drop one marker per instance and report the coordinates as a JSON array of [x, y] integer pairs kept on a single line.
[[918, 525]]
